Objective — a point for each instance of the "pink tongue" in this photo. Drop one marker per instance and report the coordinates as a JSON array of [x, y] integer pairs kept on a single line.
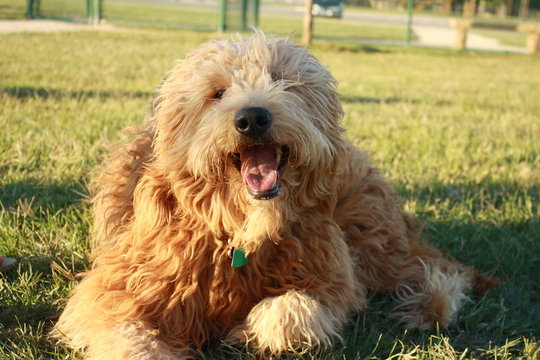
[[259, 167]]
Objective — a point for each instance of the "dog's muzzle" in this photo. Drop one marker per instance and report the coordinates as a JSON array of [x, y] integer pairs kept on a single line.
[[260, 162]]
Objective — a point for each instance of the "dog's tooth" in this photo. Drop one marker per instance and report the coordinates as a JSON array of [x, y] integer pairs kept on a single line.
[[278, 154]]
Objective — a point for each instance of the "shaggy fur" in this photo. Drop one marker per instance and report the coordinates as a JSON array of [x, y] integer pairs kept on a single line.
[[169, 207]]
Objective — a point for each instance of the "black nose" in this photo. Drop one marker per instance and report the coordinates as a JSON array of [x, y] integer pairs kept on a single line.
[[253, 121]]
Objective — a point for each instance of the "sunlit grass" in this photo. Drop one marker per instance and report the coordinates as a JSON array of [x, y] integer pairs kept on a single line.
[[456, 132], [202, 18], [512, 38], [12, 9]]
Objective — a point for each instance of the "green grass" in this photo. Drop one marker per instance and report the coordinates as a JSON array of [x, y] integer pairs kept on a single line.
[[512, 38], [456, 132], [335, 29], [64, 9], [12, 9], [161, 15], [175, 16]]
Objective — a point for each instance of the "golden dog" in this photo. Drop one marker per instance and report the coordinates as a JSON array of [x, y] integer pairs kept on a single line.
[[243, 157]]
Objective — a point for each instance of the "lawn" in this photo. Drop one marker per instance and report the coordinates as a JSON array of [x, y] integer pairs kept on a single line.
[[512, 38], [170, 15], [12, 9], [457, 133]]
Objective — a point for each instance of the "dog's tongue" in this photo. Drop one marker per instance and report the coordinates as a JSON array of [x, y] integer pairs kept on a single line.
[[259, 168]]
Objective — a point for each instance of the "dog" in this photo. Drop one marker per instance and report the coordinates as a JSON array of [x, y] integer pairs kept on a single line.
[[241, 213]]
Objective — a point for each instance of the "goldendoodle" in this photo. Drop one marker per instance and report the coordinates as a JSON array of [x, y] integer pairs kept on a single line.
[[241, 212]]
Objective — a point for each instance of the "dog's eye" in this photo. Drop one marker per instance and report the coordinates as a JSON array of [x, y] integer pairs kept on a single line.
[[219, 94], [276, 77]]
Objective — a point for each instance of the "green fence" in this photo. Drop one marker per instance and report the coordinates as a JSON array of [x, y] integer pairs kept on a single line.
[[71, 10], [238, 14], [210, 15], [159, 14]]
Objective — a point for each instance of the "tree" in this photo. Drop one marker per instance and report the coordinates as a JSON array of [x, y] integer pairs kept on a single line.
[[307, 35], [524, 9]]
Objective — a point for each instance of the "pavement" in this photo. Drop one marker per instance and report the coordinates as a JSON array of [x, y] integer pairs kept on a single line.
[[443, 37], [11, 26], [430, 31]]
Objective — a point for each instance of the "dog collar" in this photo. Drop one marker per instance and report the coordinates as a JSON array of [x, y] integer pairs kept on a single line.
[[237, 255]]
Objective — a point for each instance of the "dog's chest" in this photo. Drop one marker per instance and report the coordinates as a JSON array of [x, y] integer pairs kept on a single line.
[[234, 291]]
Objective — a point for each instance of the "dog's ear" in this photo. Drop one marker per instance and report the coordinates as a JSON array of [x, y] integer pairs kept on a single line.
[[153, 205], [180, 102], [156, 100], [167, 115]]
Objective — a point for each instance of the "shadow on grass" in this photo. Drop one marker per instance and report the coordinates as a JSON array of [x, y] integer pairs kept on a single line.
[[481, 222], [482, 197], [31, 192], [26, 92], [373, 100], [506, 249], [37, 216], [389, 100], [27, 272], [338, 45]]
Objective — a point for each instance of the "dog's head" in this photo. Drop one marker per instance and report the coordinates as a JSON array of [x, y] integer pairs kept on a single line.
[[260, 116]]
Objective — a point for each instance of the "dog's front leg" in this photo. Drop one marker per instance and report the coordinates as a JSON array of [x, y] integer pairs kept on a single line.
[[311, 315], [290, 322], [135, 341]]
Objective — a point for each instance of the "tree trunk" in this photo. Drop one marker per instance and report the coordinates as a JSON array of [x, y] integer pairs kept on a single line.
[[472, 4], [524, 9], [307, 35], [447, 7], [509, 4]]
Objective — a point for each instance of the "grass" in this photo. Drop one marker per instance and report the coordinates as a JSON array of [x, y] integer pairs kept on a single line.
[[166, 15], [512, 38], [335, 29], [179, 16], [12, 9], [456, 132]]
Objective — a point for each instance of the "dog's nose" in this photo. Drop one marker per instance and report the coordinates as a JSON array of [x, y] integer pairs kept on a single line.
[[253, 121]]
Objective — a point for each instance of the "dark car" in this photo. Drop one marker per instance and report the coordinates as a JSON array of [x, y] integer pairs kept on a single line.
[[328, 8]]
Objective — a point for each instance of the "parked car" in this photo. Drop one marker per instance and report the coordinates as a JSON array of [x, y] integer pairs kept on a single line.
[[328, 8]]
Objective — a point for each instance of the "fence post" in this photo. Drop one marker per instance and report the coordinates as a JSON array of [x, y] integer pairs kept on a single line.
[[256, 6], [410, 8], [244, 21], [30, 9], [307, 33], [33, 9], [533, 37], [89, 11], [221, 15], [97, 11], [461, 26]]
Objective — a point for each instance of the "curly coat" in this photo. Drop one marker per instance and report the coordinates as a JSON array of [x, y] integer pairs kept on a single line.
[[169, 208]]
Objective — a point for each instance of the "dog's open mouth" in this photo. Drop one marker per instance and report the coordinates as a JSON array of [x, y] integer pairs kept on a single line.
[[261, 166]]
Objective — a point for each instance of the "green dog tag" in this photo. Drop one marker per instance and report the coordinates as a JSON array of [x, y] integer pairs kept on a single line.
[[238, 258]]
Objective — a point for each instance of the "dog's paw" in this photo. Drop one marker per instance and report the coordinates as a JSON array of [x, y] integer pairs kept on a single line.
[[436, 301], [132, 340], [293, 322]]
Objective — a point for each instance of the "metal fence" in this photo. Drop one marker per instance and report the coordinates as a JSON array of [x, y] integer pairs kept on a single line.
[[431, 25], [201, 15], [76, 11]]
